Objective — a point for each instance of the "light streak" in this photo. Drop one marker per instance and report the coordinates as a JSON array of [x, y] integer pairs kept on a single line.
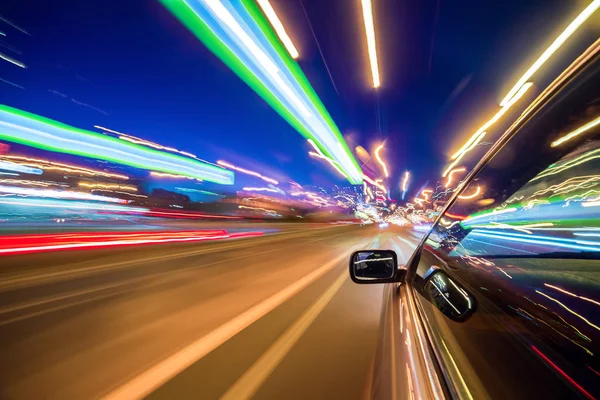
[[576, 132], [556, 44], [279, 28], [367, 9], [543, 240], [260, 189], [569, 310], [12, 60], [258, 209], [32, 183], [120, 192], [54, 242], [405, 183], [557, 168], [247, 172], [108, 186], [490, 213], [591, 204], [451, 175], [67, 205], [198, 191], [563, 373], [425, 192], [374, 183], [174, 176], [319, 154], [58, 194], [455, 216], [144, 142], [378, 157], [240, 35], [32, 130], [572, 294], [520, 228], [478, 135], [51, 166], [9, 166], [471, 196]]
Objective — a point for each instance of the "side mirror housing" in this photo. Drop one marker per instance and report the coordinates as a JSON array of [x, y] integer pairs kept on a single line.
[[375, 266]]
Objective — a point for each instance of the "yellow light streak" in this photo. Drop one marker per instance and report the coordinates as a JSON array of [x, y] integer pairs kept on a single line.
[[174, 176], [107, 186], [51, 165], [569, 310], [477, 136], [576, 132], [471, 196], [573, 294], [378, 157], [424, 193], [405, 181], [451, 175], [279, 28], [558, 42], [367, 9], [258, 209]]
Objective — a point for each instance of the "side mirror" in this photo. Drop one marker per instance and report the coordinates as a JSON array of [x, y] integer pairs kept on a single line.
[[448, 296], [375, 266]]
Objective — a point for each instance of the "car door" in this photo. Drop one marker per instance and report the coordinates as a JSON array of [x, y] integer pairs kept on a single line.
[[506, 285]]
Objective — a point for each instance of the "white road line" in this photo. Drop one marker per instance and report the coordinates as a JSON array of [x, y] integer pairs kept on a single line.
[[148, 381], [247, 385], [412, 245]]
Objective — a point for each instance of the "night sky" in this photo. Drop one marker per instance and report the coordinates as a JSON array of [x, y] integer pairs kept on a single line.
[[130, 66]]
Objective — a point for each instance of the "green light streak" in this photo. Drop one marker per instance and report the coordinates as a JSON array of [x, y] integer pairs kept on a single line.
[[5, 135], [203, 33]]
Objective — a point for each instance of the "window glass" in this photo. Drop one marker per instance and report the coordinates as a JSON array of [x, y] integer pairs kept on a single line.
[[509, 279]]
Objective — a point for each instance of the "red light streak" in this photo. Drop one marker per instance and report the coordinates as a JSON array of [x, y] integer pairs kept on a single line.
[[455, 216], [170, 214], [563, 373], [24, 244]]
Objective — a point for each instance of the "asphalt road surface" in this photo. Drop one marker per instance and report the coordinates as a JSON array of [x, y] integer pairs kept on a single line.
[[266, 317]]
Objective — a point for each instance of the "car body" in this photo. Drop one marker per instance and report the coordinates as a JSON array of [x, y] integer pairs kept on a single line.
[[501, 299]]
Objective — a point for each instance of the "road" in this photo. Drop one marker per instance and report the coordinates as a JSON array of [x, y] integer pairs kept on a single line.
[[268, 317]]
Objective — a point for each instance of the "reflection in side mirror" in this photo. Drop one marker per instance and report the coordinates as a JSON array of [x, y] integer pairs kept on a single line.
[[375, 266], [449, 297]]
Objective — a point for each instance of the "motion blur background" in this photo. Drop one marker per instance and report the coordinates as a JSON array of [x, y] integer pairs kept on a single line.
[[172, 172]]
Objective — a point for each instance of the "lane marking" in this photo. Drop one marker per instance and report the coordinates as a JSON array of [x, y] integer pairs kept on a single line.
[[154, 377], [249, 383]]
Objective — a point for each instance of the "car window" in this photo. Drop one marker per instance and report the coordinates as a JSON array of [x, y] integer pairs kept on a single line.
[[508, 281]]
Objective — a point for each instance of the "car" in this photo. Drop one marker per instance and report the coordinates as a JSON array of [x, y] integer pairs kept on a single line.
[[501, 298]]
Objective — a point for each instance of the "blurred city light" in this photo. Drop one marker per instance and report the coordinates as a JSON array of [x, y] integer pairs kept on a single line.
[[367, 10], [279, 28], [378, 157], [405, 181], [238, 33]]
